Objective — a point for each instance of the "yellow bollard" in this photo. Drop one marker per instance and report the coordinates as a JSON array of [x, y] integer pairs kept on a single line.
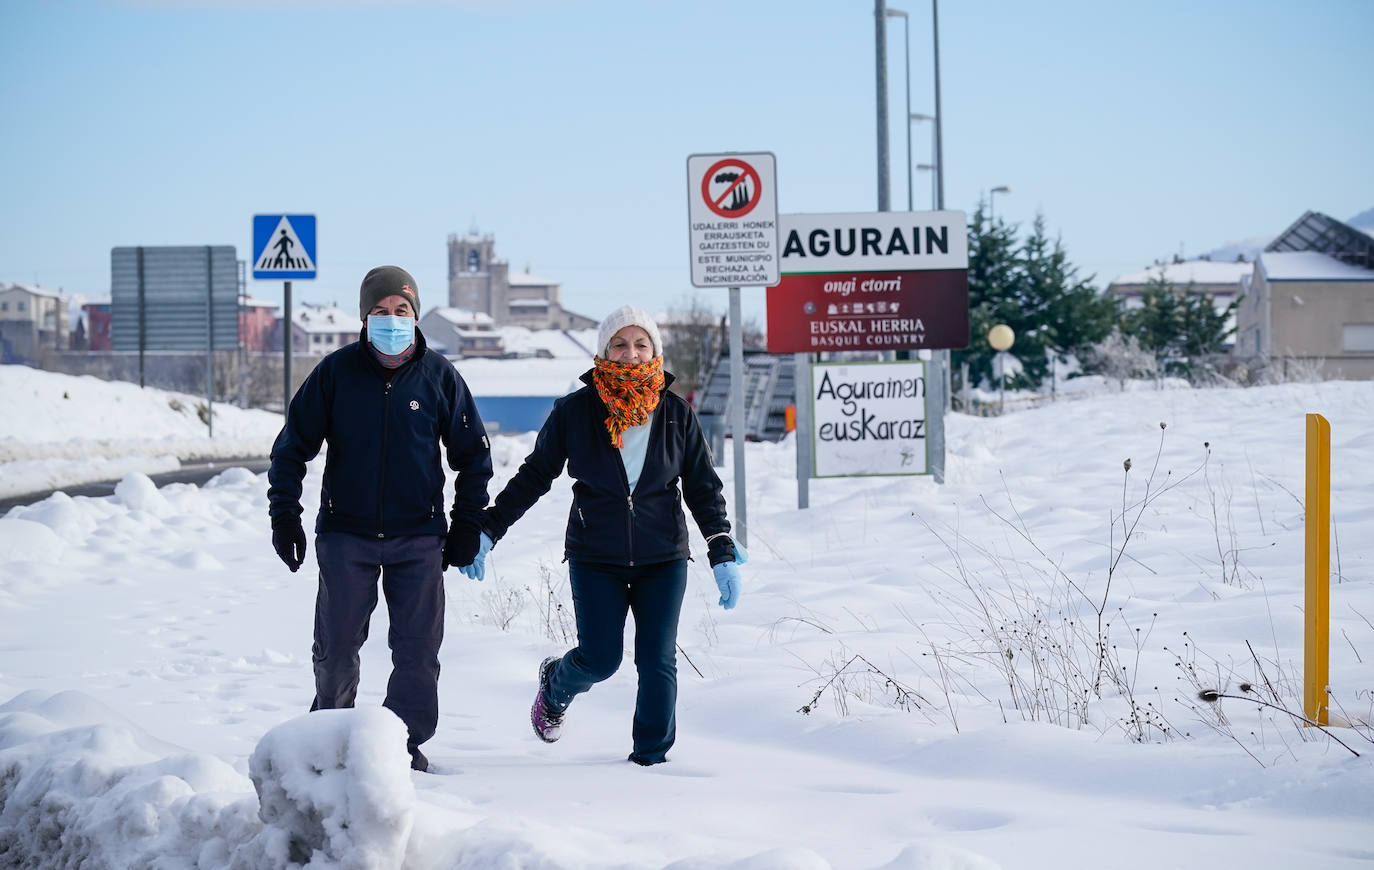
[[1317, 558]]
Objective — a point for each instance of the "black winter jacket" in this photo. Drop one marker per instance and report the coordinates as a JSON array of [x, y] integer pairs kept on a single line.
[[382, 475], [607, 523]]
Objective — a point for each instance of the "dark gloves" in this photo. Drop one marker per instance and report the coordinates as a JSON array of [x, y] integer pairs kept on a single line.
[[460, 548], [288, 539], [720, 548]]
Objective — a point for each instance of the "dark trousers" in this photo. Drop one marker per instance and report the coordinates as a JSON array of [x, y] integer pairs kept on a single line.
[[602, 594], [412, 575]]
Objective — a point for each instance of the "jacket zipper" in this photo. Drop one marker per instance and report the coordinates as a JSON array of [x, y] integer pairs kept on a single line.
[[381, 465], [629, 503], [630, 500]]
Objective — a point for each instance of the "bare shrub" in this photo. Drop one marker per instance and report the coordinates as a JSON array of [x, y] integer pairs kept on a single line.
[[1120, 358]]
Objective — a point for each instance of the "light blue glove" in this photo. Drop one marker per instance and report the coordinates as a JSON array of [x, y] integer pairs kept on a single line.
[[741, 554], [478, 569], [727, 581]]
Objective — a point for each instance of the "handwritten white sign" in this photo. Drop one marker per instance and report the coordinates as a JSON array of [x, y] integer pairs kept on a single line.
[[869, 418]]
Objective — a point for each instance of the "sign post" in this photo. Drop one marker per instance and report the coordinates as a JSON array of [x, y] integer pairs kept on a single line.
[[732, 213], [1317, 573], [284, 247], [801, 375]]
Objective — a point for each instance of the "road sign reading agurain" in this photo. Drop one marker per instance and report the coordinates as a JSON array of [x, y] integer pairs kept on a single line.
[[732, 211], [870, 281]]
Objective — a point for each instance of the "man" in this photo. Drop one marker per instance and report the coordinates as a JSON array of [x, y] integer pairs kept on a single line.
[[385, 404]]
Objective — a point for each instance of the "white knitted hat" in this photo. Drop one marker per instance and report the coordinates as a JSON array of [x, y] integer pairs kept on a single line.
[[627, 315]]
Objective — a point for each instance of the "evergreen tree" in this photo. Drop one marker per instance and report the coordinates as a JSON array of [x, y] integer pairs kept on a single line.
[[991, 273], [1179, 325], [1034, 289]]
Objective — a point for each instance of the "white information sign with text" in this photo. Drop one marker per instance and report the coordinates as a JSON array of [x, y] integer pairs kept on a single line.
[[732, 214], [869, 418]]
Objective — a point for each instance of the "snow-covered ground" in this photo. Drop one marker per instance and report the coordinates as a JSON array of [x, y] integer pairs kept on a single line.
[[911, 679], [60, 430]]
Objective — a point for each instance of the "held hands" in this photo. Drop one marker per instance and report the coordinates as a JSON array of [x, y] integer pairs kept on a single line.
[[477, 570], [460, 546], [288, 539]]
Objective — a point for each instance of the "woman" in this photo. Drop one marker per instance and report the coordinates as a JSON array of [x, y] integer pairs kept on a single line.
[[628, 444]]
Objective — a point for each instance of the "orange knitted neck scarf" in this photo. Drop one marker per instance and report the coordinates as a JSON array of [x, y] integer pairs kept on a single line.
[[630, 392]]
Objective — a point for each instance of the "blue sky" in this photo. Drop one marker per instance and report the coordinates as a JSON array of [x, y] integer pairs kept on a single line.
[[563, 129]]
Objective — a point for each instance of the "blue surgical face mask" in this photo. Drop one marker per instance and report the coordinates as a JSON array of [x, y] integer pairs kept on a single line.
[[390, 335]]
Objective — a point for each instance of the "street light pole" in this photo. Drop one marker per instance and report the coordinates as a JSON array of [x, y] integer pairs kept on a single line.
[[917, 116], [906, 49], [1001, 188], [939, 115], [880, 55], [940, 358]]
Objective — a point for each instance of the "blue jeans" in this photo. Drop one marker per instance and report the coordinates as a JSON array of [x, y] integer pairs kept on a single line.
[[602, 595]]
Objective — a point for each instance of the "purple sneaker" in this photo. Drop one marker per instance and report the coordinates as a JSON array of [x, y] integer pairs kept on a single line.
[[548, 724]]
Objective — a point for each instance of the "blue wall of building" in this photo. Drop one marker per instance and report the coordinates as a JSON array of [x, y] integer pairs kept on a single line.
[[514, 413]]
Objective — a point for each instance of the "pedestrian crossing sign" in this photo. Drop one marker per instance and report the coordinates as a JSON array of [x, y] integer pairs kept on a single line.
[[284, 246]]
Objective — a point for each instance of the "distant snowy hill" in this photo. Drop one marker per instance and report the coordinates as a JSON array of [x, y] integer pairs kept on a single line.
[[1363, 221], [1250, 248]]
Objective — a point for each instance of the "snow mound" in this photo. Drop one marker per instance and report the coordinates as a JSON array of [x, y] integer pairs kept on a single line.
[[237, 476], [335, 789], [82, 787], [938, 857], [28, 541], [789, 858], [137, 492], [60, 513]]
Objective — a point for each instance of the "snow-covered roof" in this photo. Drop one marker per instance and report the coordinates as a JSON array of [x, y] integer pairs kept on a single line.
[[525, 279], [529, 303], [33, 289], [250, 302], [1190, 272], [574, 344], [1310, 266], [464, 316], [328, 319]]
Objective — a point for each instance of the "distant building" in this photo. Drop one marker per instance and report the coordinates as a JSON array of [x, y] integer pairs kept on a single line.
[[477, 281], [459, 332], [1222, 281], [257, 323], [97, 316], [1310, 297], [33, 319], [319, 329]]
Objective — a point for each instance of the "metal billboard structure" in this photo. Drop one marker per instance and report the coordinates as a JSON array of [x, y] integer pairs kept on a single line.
[[174, 298], [183, 297]]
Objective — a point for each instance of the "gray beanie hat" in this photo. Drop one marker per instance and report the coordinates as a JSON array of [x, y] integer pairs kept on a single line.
[[627, 315], [385, 281]]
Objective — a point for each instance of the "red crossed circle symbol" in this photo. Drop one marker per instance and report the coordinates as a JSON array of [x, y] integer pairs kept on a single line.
[[730, 201]]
